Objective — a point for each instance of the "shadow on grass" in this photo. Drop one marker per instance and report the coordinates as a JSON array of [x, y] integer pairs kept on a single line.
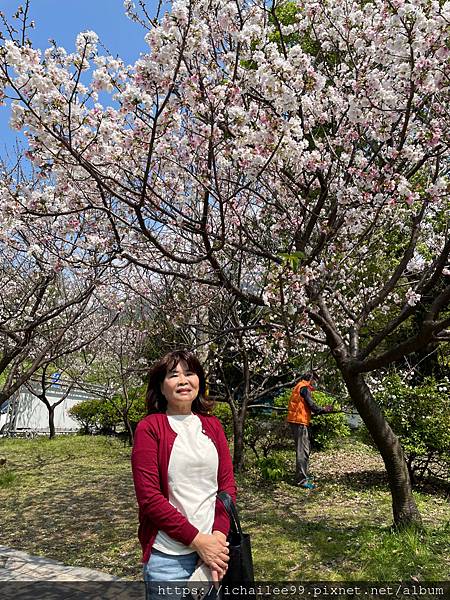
[[317, 550], [356, 481], [324, 550], [360, 480], [434, 487], [89, 523]]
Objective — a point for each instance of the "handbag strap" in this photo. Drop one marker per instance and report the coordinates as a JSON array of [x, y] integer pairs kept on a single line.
[[232, 511]]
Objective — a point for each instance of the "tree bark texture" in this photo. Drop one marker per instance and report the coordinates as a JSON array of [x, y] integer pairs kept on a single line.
[[128, 429], [51, 421], [238, 439]]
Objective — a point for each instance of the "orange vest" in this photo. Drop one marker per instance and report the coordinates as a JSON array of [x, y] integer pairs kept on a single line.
[[298, 411]]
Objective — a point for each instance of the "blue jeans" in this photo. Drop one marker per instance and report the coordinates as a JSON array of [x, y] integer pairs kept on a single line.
[[163, 569]]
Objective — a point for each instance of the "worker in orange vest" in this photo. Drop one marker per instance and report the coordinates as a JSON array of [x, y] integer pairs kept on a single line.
[[300, 408]]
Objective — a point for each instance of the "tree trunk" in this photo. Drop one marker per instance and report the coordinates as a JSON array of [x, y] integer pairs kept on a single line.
[[403, 505], [128, 428], [51, 421], [238, 438]]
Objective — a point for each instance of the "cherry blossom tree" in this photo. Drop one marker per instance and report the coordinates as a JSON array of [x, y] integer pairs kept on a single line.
[[249, 363], [246, 358], [72, 357], [294, 155], [120, 365], [41, 315], [55, 297]]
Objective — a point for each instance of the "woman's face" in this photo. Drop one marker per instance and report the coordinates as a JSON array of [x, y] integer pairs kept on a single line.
[[180, 388]]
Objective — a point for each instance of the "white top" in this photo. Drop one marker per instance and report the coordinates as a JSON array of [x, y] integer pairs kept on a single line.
[[192, 478]]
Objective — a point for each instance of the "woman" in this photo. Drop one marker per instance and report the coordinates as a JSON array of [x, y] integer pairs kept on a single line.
[[180, 461]]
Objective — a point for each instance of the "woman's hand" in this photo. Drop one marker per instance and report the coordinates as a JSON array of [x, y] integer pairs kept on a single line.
[[213, 550], [218, 575]]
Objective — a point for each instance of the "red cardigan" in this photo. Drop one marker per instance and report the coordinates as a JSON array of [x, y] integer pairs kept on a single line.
[[153, 443]]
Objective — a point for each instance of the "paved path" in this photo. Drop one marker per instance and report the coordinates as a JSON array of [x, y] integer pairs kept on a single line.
[[20, 566], [27, 577]]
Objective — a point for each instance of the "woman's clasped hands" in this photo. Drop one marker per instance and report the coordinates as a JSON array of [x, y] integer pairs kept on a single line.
[[213, 551]]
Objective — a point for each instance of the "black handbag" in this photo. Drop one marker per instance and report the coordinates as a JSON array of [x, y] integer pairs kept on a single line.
[[240, 565]]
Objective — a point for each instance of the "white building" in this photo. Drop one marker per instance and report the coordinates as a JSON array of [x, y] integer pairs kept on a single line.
[[25, 413]]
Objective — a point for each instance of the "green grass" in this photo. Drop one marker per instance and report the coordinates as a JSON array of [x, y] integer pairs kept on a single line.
[[342, 531], [7, 478], [72, 499]]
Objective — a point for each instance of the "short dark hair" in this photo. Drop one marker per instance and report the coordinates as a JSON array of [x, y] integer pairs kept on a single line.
[[156, 402], [310, 375]]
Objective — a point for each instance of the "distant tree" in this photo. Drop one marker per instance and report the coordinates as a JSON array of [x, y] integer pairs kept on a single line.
[[71, 358], [120, 365]]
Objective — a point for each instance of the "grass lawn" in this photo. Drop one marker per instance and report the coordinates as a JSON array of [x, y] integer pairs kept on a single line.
[[72, 499]]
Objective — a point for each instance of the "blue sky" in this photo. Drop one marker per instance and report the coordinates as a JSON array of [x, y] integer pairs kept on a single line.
[[62, 20]]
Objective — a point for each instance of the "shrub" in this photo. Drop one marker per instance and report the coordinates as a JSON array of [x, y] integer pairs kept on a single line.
[[137, 409], [420, 417], [272, 468], [222, 411], [95, 414], [263, 434], [105, 415], [327, 429]]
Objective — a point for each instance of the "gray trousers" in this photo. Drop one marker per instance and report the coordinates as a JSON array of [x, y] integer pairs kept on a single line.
[[302, 450]]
